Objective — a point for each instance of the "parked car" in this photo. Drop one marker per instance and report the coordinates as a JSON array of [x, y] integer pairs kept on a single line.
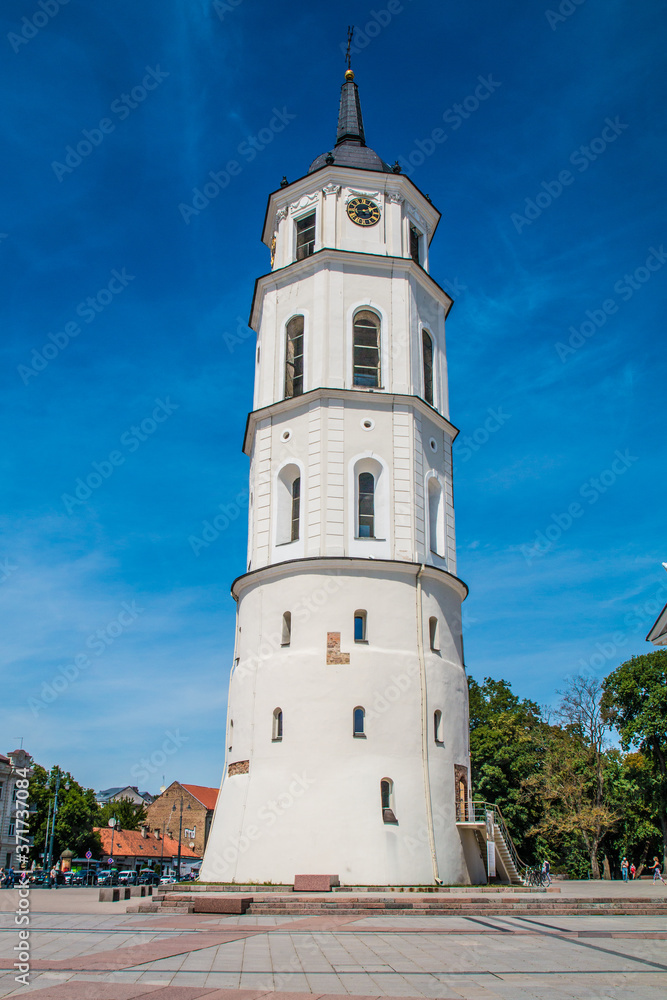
[[38, 877], [88, 877], [148, 877], [127, 877], [167, 880], [107, 876]]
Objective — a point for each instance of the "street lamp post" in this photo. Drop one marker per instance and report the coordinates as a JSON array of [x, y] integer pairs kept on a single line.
[[113, 823], [53, 821], [180, 830]]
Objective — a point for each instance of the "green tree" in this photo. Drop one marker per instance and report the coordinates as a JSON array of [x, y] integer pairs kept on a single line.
[[129, 815], [75, 819], [635, 701], [576, 780], [507, 738]]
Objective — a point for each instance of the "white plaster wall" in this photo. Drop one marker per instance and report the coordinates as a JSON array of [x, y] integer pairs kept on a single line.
[[325, 438], [311, 803], [328, 297]]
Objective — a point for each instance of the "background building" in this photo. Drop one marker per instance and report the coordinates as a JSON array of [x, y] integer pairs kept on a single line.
[[130, 792], [163, 815], [140, 849], [8, 777]]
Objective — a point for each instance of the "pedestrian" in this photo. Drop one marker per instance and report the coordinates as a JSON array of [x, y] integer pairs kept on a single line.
[[624, 869], [633, 870], [9, 878], [53, 878], [546, 871], [2, 876], [657, 874]]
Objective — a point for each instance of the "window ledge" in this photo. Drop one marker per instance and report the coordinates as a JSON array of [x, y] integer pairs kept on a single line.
[[284, 645], [366, 538], [359, 736], [389, 817], [292, 541], [440, 743], [361, 642], [277, 739]]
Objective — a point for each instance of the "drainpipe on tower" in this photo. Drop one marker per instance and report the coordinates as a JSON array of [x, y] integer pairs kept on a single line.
[[425, 730]]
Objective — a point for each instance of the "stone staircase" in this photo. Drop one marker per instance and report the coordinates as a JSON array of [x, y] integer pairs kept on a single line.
[[504, 903]]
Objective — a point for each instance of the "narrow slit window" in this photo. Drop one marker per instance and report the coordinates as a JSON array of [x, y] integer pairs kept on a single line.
[[436, 517], [433, 634], [427, 352], [360, 626], [294, 357], [296, 506], [359, 722], [437, 726], [366, 505], [366, 350], [387, 799], [305, 237], [277, 725], [287, 629], [415, 245]]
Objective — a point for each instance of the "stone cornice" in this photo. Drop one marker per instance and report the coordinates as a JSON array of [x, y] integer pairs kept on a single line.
[[298, 269], [370, 397], [336, 564]]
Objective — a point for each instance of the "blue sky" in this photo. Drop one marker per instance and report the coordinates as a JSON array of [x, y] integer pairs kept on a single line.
[[552, 194]]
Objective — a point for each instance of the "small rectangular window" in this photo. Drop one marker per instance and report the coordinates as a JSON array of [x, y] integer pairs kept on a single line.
[[287, 629], [12, 829], [360, 626], [433, 634], [305, 237], [415, 245]]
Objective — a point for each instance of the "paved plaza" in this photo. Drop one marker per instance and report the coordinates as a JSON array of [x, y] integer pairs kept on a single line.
[[81, 948]]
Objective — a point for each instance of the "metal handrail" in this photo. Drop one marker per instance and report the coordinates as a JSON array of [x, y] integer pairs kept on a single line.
[[475, 812]]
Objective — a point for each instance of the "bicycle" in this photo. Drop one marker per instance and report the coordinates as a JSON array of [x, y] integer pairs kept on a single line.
[[535, 878]]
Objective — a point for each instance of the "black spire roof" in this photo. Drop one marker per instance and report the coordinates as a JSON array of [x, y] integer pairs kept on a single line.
[[350, 149]]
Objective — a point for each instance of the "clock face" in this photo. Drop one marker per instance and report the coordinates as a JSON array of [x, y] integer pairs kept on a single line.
[[363, 212]]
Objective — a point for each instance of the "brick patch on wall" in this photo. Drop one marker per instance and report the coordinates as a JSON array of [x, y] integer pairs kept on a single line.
[[334, 654], [238, 767]]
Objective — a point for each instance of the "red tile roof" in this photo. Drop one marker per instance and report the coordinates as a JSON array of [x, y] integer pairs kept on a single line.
[[130, 843], [207, 796]]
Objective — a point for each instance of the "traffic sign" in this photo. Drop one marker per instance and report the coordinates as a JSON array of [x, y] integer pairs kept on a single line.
[[109, 860], [89, 854]]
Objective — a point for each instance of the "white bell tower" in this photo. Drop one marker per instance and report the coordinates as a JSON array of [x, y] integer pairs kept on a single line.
[[347, 734]]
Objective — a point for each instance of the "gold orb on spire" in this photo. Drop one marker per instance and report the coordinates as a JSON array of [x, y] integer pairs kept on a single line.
[[349, 75]]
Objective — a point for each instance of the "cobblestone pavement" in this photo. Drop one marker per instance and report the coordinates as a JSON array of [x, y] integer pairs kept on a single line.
[[83, 950]]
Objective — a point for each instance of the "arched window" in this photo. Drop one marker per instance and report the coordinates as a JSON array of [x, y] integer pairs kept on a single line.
[[360, 626], [436, 518], [366, 349], [427, 357], [296, 504], [294, 357], [277, 733], [288, 497], [359, 722], [437, 726], [287, 629], [387, 798], [415, 244], [433, 638], [366, 505]]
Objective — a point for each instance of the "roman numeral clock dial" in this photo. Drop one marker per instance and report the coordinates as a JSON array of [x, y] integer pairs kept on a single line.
[[363, 212]]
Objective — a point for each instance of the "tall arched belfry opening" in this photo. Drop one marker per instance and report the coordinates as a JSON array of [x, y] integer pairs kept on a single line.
[[347, 745]]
